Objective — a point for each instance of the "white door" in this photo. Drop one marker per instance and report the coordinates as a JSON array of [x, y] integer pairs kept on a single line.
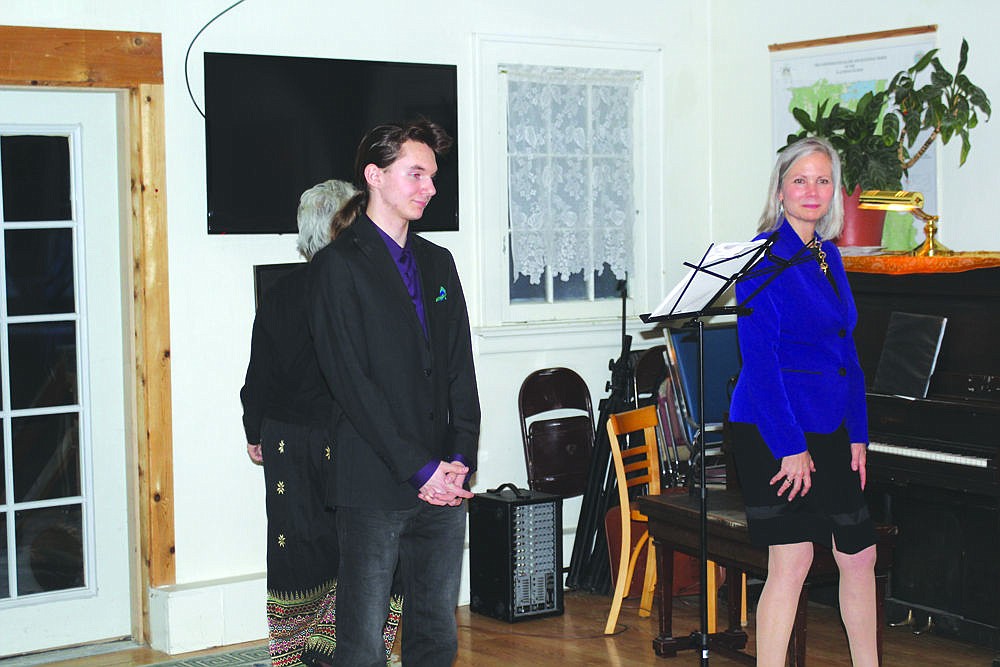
[[64, 532]]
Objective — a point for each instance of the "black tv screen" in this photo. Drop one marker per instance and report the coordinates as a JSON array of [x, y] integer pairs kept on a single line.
[[277, 125]]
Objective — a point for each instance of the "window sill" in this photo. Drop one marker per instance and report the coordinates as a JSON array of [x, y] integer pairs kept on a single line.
[[566, 335]]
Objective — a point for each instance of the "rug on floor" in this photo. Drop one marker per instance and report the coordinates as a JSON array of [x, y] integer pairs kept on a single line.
[[247, 657]]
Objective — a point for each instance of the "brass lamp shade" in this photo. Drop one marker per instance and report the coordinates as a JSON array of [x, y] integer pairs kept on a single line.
[[902, 200], [891, 200]]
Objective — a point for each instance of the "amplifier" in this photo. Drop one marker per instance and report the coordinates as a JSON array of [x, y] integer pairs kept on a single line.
[[515, 554]]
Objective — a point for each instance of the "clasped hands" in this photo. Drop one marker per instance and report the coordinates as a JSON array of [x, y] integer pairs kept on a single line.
[[445, 487]]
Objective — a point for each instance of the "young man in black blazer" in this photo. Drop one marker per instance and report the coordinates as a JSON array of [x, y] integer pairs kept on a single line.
[[391, 329]]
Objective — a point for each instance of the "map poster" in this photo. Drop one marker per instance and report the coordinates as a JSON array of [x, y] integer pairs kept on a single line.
[[843, 69]]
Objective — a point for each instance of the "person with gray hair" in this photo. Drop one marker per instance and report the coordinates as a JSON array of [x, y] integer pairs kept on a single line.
[[798, 415], [286, 411], [831, 223], [317, 206]]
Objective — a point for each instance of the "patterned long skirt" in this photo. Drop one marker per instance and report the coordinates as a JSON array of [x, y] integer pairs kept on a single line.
[[302, 552]]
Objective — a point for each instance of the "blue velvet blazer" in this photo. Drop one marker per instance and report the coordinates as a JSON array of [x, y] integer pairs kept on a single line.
[[800, 367]]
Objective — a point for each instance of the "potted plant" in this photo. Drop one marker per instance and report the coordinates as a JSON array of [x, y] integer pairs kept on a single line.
[[867, 146], [874, 138], [869, 149]]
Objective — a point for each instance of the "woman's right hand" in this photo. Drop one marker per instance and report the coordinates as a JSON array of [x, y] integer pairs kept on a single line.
[[795, 475], [256, 453]]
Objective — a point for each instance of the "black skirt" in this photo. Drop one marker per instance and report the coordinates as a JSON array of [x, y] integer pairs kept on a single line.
[[302, 548], [834, 508]]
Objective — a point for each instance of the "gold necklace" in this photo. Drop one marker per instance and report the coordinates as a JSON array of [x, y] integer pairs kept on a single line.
[[817, 250]]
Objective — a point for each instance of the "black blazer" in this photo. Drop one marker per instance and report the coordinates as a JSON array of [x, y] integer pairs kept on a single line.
[[283, 380], [406, 398]]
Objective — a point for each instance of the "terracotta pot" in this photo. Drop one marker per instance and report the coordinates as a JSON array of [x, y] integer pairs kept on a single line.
[[861, 227]]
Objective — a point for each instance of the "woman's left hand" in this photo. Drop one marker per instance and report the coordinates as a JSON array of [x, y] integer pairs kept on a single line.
[[796, 470], [859, 457]]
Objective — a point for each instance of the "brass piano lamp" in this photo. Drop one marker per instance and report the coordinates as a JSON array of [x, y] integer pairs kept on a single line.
[[891, 200]]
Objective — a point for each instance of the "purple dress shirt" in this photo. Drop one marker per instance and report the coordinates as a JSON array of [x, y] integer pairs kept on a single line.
[[406, 264]]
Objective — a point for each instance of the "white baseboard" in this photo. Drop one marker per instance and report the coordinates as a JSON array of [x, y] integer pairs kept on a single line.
[[206, 614]]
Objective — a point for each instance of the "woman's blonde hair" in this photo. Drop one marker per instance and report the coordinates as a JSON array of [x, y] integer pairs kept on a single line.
[[830, 225]]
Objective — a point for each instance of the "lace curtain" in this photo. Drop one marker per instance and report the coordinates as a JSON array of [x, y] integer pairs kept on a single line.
[[570, 169]]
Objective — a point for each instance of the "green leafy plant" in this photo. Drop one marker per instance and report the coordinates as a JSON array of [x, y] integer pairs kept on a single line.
[[947, 105], [874, 138], [868, 146]]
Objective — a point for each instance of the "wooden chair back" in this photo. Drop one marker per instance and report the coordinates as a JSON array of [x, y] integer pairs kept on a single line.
[[637, 464]]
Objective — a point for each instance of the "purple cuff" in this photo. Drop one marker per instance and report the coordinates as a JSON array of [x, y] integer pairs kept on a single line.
[[420, 477]]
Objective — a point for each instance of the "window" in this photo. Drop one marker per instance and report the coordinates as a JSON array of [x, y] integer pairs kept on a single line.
[[569, 181], [570, 136]]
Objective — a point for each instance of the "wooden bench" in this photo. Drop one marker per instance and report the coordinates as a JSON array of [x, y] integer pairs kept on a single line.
[[675, 525]]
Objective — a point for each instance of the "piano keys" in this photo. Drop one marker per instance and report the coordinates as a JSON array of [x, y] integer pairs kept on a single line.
[[930, 455], [911, 444]]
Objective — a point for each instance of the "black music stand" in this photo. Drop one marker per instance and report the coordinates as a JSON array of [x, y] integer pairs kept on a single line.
[[720, 267]]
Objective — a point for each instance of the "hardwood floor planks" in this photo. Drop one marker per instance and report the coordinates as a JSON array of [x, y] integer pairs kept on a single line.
[[576, 638]]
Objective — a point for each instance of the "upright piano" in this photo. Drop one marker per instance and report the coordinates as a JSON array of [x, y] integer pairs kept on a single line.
[[932, 462]]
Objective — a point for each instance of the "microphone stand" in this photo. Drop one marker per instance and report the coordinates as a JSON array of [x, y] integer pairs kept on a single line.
[[590, 568]]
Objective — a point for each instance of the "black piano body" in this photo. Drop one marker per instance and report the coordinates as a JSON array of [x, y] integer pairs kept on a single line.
[[932, 463]]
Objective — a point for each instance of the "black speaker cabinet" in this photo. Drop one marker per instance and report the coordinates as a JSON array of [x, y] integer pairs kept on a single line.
[[515, 554]]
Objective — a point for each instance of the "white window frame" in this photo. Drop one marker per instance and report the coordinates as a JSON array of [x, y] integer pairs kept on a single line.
[[493, 51]]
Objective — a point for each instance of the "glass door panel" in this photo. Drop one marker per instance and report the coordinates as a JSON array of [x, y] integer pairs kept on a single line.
[[36, 178], [39, 264]]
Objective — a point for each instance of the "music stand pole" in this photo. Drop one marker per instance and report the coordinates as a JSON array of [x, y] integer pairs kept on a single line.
[[699, 323], [703, 483]]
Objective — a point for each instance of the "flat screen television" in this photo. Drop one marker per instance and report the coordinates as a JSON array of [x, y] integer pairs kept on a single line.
[[278, 125]]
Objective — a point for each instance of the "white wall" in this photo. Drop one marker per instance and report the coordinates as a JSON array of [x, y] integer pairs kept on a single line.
[[219, 513], [741, 86], [716, 150]]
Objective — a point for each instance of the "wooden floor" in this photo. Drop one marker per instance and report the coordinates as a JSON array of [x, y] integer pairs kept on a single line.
[[576, 638]]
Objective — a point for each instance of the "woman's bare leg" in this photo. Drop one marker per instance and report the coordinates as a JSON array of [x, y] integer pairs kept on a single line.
[[787, 567], [857, 604]]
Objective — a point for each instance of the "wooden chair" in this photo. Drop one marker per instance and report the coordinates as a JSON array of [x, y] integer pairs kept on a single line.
[[637, 470], [636, 465]]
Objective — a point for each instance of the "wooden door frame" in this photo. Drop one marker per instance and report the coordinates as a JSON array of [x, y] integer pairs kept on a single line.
[[130, 61]]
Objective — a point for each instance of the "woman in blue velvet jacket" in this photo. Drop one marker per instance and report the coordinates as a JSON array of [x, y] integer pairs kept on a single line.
[[798, 410]]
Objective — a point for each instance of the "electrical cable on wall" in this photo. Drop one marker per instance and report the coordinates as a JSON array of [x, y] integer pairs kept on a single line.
[[187, 54]]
